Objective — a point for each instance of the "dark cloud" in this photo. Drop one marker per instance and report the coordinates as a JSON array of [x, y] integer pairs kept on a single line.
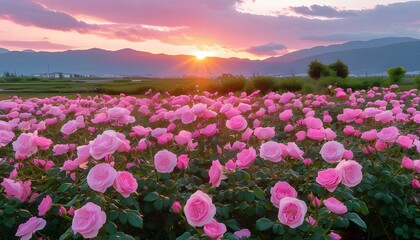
[[44, 45], [269, 49], [322, 11]]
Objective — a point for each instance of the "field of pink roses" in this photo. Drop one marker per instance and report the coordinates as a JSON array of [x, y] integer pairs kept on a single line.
[[277, 166]]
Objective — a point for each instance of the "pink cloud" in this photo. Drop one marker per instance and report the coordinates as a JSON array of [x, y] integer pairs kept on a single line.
[[45, 45], [213, 23]]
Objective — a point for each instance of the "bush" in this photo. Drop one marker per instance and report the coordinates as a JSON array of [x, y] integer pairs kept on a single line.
[[317, 70], [231, 83], [264, 83], [417, 81], [340, 69], [290, 84], [396, 74]]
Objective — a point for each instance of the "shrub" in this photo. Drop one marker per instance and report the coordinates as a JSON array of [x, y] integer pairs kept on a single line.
[[317, 70], [231, 83], [263, 83], [290, 84], [417, 81], [340, 69], [396, 74]]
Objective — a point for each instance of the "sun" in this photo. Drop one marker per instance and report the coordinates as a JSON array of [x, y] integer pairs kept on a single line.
[[201, 55]]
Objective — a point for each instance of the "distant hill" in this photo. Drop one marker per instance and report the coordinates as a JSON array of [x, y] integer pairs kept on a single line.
[[3, 50], [373, 57], [373, 61], [290, 57]]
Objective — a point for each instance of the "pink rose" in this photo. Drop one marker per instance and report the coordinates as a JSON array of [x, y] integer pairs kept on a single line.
[[25, 230], [104, 144], [230, 166], [199, 209], [6, 137], [335, 205], [183, 137], [237, 123], [384, 117], [183, 161], [332, 151], [292, 212], [271, 151], [329, 178], [369, 135], [405, 142], [388, 135], [407, 163], [176, 207], [101, 177], [245, 158], [243, 233], [216, 173], [69, 127], [313, 123], [334, 236], [25, 145], [316, 134], [416, 164], [264, 133], [43, 143], [300, 136], [214, 230], [20, 190], [88, 220], [125, 183], [165, 161], [188, 117], [294, 151], [351, 172], [120, 116], [286, 115], [281, 190], [209, 130], [44, 206]]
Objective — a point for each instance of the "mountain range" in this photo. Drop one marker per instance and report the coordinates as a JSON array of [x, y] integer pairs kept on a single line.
[[371, 57]]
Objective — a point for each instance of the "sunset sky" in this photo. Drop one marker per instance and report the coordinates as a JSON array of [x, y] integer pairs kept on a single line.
[[254, 29]]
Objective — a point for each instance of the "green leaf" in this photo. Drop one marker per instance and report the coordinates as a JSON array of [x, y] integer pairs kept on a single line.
[[9, 210], [67, 234], [356, 219], [64, 187], [123, 217], [158, 204], [135, 220], [263, 224], [111, 228], [233, 224], [151, 196], [278, 229], [185, 236], [316, 236], [363, 208], [24, 213], [249, 197], [399, 231], [258, 192]]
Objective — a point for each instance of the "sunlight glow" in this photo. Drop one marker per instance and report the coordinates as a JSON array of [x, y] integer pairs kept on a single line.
[[200, 55]]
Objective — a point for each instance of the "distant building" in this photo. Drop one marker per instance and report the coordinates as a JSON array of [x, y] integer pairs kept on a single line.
[[57, 75]]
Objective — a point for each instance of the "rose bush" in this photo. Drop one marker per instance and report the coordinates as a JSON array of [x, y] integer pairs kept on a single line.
[[274, 166]]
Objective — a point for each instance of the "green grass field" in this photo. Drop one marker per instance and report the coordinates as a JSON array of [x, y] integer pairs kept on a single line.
[[27, 87]]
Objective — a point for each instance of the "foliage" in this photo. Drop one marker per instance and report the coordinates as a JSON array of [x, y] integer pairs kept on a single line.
[[290, 84], [417, 81], [317, 70], [396, 74], [263, 83], [231, 83], [383, 205], [341, 70]]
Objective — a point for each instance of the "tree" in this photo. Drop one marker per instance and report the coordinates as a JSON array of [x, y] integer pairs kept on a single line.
[[317, 69], [396, 74], [340, 69]]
